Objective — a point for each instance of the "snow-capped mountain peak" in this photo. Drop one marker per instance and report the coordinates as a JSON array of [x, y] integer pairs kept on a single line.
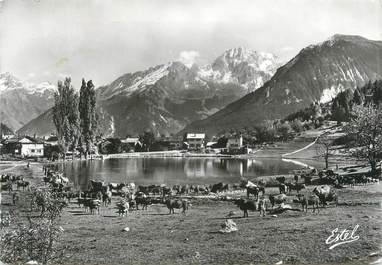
[[9, 82], [241, 65]]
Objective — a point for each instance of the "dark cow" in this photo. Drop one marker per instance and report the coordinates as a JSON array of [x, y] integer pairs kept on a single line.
[[185, 189], [295, 186], [326, 194], [281, 179], [282, 188], [246, 205], [142, 199], [281, 198], [22, 183], [219, 187], [123, 207], [92, 204], [254, 190], [106, 198], [166, 191], [177, 204], [310, 200]]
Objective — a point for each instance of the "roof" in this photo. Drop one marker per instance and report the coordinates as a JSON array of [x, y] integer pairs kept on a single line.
[[23, 140], [196, 135]]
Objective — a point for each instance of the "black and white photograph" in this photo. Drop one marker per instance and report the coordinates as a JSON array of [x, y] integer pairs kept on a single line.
[[191, 132]]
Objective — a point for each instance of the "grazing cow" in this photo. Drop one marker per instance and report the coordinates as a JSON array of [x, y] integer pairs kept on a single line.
[[22, 183], [92, 204], [219, 187], [177, 204], [201, 189], [281, 198], [185, 189], [7, 187], [295, 186], [123, 208], [96, 185], [282, 188], [253, 190], [281, 179], [106, 197], [310, 200], [245, 205], [177, 189], [142, 199], [326, 194]]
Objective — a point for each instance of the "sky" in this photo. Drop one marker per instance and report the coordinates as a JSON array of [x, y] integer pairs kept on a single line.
[[46, 40]]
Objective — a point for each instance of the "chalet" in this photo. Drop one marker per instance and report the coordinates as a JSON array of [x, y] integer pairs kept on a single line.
[[235, 142], [132, 142], [195, 141], [23, 147]]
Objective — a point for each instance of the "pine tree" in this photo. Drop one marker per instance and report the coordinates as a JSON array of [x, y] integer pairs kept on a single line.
[[65, 115], [88, 116]]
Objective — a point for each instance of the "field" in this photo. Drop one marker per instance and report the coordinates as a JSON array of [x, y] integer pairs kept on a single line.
[[155, 237]]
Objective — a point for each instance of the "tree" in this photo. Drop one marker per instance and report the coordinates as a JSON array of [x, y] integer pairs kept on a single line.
[[366, 129], [36, 238], [147, 139], [88, 116], [65, 115], [324, 148]]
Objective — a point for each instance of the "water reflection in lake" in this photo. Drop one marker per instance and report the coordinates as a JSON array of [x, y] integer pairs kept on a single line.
[[175, 170]]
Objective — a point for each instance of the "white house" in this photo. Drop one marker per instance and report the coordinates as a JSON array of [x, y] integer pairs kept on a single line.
[[195, 140], [235, 142], [24, 147]]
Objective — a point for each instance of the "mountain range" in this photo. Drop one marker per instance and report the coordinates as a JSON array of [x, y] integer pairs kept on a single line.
[[241, 88], [316, 74], [167, 97], [21, 101]]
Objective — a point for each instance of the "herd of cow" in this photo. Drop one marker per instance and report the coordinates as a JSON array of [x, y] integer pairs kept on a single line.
[[132, 196]]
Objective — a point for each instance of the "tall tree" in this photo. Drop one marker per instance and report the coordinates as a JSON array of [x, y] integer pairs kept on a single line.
[[88, 116], [324, 148], [366, 129], [65, 115]]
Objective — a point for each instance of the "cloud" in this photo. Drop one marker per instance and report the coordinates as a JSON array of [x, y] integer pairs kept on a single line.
[[188, 58], [31, 75]]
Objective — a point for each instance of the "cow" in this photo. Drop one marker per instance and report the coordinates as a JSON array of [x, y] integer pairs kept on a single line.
[[295, 186], [142, 199], [166, 191], [123, 208], [326, 194], [219, 187], [313, 200], [106, 197], [185, 189], [281, 179], [177, 204], [281, 198], [253, 190], [282, 188], [92, 204], [246, 205], [22, 183]]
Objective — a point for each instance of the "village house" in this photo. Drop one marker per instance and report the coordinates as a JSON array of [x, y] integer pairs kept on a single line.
[[23, 147], [235, 142], [195, 141], [132, 142]]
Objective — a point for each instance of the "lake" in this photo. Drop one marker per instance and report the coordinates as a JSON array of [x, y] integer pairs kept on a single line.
[[174, 170]]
